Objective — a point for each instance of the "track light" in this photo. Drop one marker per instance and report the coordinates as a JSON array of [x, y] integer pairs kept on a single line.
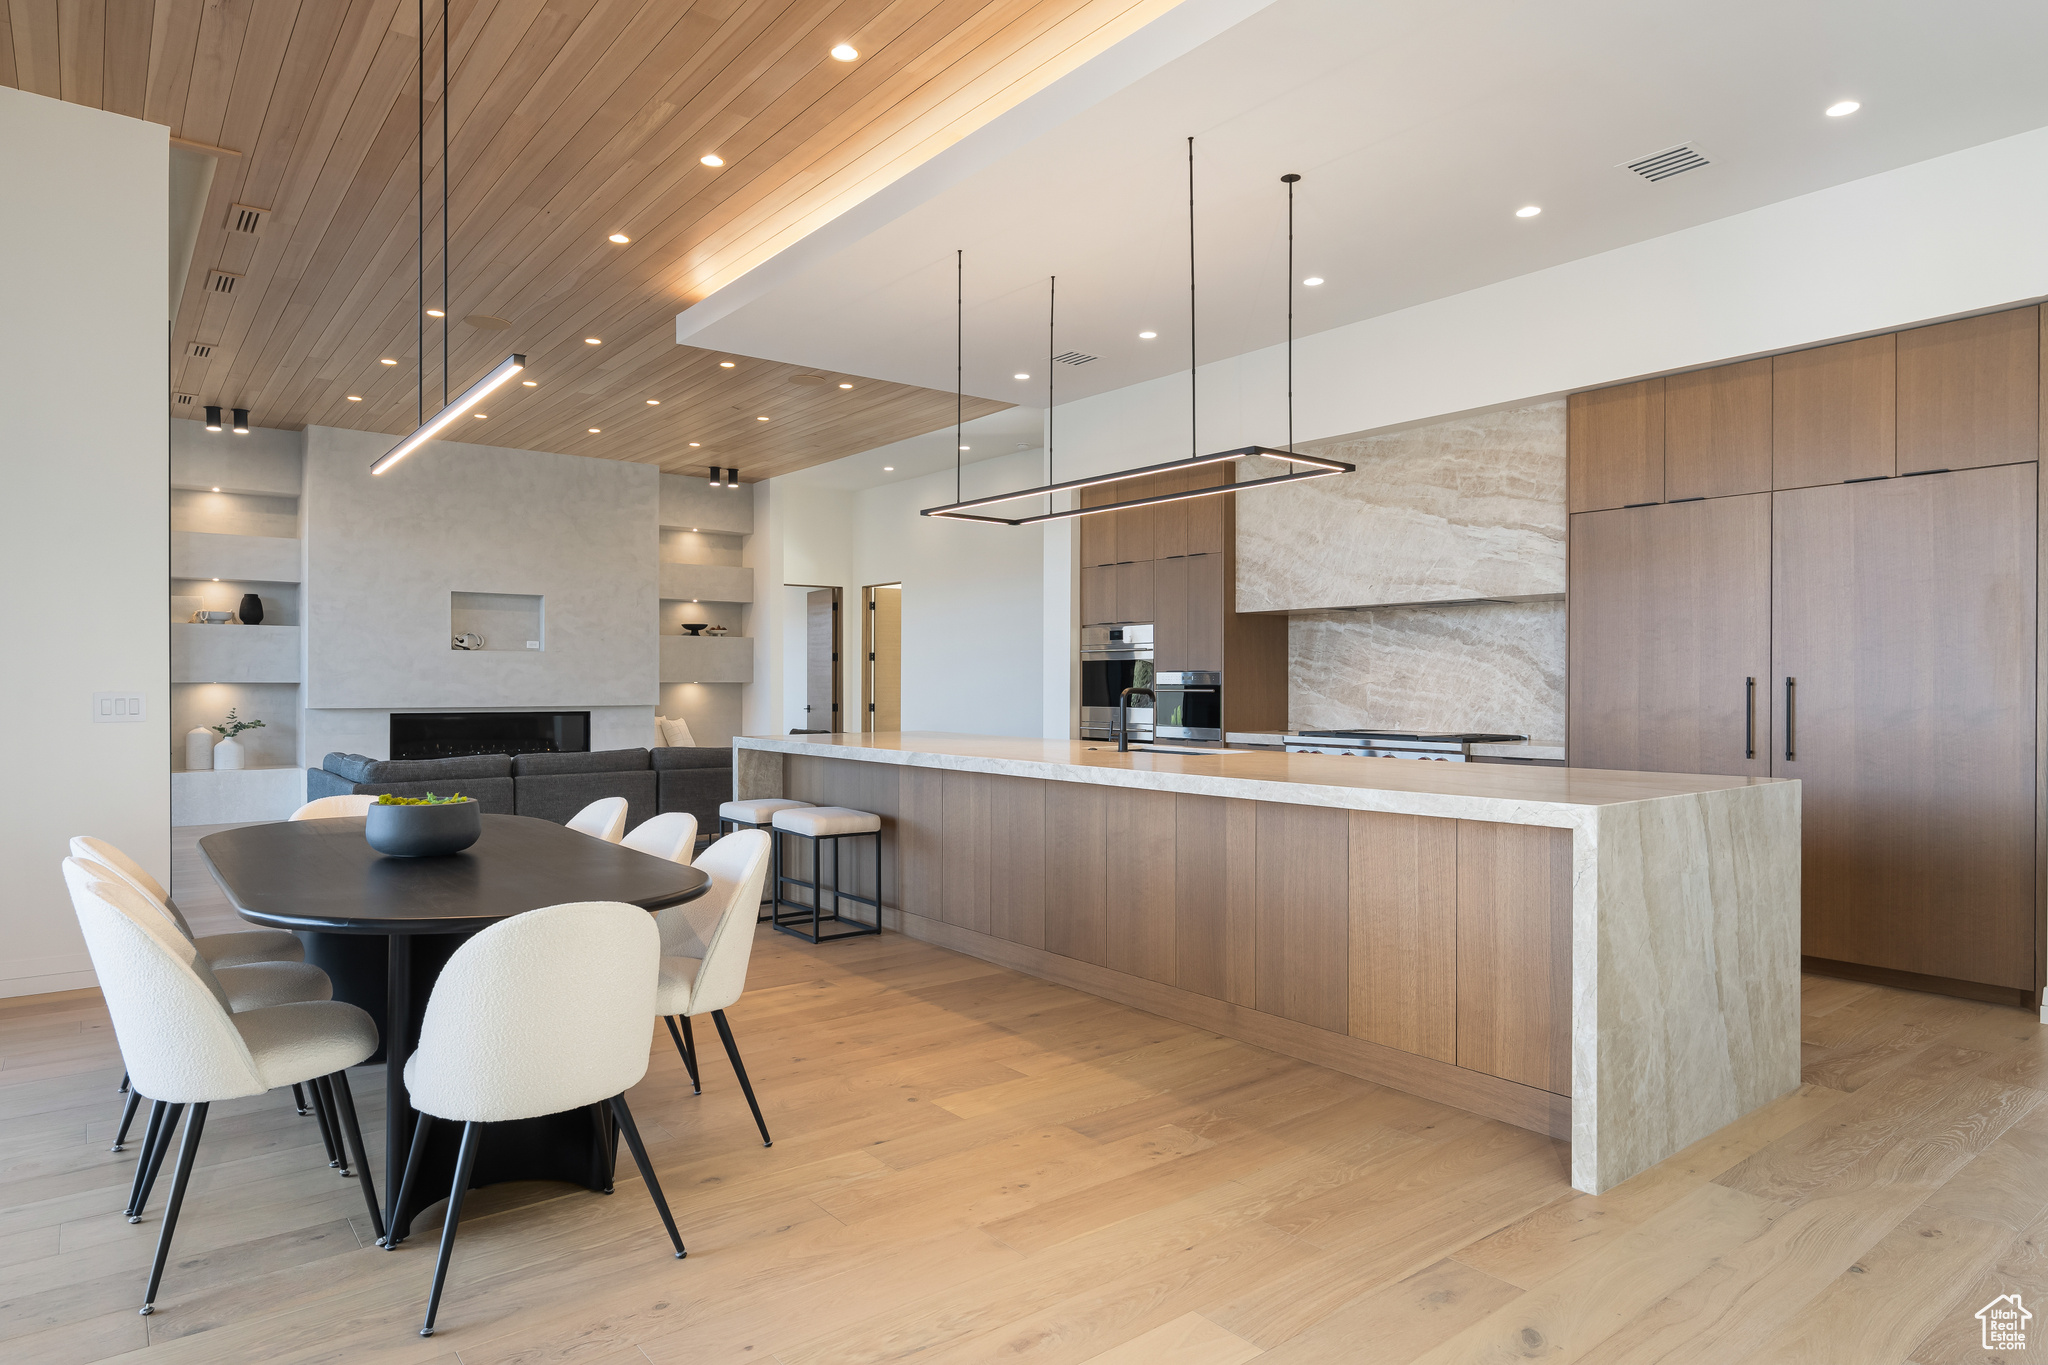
[[732, 478], [714, 476], [212, 417], [470, 397], [241, 421]]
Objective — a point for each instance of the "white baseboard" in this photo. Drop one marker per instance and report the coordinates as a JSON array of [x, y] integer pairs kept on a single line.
[[11, 986]]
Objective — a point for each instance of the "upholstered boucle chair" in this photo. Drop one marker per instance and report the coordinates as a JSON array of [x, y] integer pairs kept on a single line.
[[539, 1014], [184, 1046], [705, 947], [334, 808], [219, 950], [672, 836], [603, 819]]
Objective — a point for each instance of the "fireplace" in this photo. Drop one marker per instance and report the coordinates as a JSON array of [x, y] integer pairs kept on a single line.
[[455, 734]]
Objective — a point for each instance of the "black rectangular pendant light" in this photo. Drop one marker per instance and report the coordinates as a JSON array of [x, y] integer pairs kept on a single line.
[[1321, 467]]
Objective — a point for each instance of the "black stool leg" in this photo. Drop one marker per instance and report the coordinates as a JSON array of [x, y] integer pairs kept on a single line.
[[421, 1123], [732, 1050], [345, 1111], [465, 1161], [688, 1052], [632, 1132], [186, 1156], [127, 1117], [149, 1140], [156, 1159]]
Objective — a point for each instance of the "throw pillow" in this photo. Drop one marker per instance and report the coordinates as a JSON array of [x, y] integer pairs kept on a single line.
[[677, 733]]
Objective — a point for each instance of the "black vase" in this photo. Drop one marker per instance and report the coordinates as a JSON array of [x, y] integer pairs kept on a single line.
[[252, 609]]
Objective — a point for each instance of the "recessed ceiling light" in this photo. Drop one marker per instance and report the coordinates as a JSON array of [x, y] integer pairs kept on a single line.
[[593, 341], [479, 415], [621, 238], [888, 469], [844, 53], [712, 159], [355, 398], [530, 383], [693, 530], [1020, 376], [725, 364], [595, 430], [387, 362], [216, 490], [760, 419], [1845, 107], [846, 386], [1147, 336], [967, 447], [1528, 211], [436, 313], [654, 402], [1313, 280], [695, 444]]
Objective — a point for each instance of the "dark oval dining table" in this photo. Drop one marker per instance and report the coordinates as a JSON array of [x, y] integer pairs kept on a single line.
[[382, 928]]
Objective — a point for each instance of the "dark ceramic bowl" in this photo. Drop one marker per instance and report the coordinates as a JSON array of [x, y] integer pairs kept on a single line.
[[423, 831]]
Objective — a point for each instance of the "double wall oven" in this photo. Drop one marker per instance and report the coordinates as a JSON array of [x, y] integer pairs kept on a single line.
[[1184, 705]]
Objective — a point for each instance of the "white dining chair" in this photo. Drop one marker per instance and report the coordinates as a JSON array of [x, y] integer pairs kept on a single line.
[[541, 1013], [672, 836], [219, 950], [604, 818], [350, 806], [705, 947], [185, 1047]]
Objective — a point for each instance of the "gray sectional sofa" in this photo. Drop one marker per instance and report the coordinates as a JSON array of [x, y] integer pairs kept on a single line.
[[549, 786]]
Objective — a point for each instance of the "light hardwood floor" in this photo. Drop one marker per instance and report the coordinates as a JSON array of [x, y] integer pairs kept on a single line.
[[972, 1165]]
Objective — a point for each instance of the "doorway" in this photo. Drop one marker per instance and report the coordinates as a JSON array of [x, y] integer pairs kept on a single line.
[[882, 656], [812, 691]]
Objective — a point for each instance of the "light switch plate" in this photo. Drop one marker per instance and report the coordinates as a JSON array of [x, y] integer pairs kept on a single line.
[[117, 708], [533, 644]]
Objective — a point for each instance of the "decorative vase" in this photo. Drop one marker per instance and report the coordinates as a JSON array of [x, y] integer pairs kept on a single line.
[[693, 627], [423, 831], [198, 750], [252, 609], [227, 754]]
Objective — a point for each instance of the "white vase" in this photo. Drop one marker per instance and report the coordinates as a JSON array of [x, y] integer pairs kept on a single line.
[[198, 749], [227, 754]]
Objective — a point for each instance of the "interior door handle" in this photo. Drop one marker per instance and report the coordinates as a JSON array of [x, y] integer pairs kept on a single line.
[[1791, 719], [1749, 718]]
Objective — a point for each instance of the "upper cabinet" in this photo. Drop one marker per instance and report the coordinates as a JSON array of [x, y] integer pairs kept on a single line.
[[1834, 413], [1717, 432], [1969, 392], [1098, 533], [1616, 446]]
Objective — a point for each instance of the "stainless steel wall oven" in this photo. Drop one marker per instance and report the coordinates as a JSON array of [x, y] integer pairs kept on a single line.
[[1113, 658]]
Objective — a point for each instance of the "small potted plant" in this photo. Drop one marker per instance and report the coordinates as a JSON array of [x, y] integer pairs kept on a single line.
[[427, 826], [228, 753]]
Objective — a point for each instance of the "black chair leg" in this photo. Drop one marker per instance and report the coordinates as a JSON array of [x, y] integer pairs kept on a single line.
[[463, 1164], [686, 1044], [127, 1117], [732, 1050], [345, 1110], [156, 1160], [149, 1141], [299, 1101], [320, 1116], [420, 1124], [186, 1154], [123, 1087], [632, 1131], [325, 1091]]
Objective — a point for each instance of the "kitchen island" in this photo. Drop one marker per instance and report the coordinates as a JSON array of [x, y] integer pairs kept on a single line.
[[1607, 957]]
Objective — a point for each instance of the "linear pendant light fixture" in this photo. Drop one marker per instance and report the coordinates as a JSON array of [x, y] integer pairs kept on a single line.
[[1319, 467], [430, 427]]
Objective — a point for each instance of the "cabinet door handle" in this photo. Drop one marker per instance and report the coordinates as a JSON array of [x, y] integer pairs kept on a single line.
[[1749, 718], [1791, 719]]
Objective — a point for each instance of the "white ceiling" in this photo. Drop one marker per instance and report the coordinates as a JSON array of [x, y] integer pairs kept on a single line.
[[1000, 433], [1418, 128]]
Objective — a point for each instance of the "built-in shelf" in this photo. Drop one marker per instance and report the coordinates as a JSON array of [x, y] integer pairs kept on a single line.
[[502, 620], [237, 654], [707, 583], [707, 659], [241, 559], [235, 795]]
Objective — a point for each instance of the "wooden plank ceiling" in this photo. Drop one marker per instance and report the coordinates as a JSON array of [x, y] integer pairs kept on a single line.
[[570, 120]]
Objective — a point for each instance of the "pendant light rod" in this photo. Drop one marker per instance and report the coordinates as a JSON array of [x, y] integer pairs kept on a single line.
[[469, 398], [959, 362], [1290, 180], [420, 236], [1052, 303], [447, 308], [1193, 364]]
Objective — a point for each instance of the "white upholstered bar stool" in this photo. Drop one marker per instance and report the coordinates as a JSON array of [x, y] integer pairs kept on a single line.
[[704, 955], [672, 836], [541, 1013], [184, 1046], [353, 805], [816, 824], [604, 818], [757, 813]]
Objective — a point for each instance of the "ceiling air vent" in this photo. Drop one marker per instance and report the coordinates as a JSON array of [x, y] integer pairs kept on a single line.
[[1669, 162], [183, 400], [221, 282], [246, 220], [199, 350], [1075, 358]]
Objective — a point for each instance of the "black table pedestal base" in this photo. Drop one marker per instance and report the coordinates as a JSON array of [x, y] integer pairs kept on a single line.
[[579, 1147]]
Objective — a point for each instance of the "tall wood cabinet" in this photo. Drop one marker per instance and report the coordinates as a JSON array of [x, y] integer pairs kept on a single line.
[[1837, 583]]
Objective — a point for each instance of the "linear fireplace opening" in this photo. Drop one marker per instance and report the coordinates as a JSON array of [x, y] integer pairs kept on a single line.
[[457, 734]]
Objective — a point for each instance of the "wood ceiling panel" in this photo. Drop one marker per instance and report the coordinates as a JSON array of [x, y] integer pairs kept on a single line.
[[570, 119]]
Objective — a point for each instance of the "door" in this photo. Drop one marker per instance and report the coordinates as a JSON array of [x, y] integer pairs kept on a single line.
[[884, 658], [1904, 637], [1671, 637], [821, 659]]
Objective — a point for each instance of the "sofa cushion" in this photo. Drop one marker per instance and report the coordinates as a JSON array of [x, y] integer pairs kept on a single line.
[[358, 768], [558, 796], [559, 765], [667, 760]]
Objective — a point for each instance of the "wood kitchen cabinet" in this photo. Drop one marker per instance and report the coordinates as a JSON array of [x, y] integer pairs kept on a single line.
[[1098, 595], [1615, 446], [1170, 611], [1206, 516], [1134, 596], [1717, 431], [1903, 662], [1834, 413], [1208, 596], [1969, 392], [1671, 637], [1098, 533]]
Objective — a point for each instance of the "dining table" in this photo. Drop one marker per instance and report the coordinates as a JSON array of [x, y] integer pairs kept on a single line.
[[382, 928]]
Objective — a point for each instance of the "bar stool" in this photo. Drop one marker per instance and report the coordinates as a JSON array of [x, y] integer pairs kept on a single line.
[[817, 824], [755, 814]]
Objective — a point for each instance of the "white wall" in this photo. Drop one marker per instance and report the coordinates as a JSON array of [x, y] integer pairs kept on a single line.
[[85, 523]]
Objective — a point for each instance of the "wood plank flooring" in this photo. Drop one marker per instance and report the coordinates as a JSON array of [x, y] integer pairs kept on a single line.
[[972, 1165]]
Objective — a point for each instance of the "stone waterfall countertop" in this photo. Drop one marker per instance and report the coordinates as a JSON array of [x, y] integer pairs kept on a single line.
[[1508, 794]]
